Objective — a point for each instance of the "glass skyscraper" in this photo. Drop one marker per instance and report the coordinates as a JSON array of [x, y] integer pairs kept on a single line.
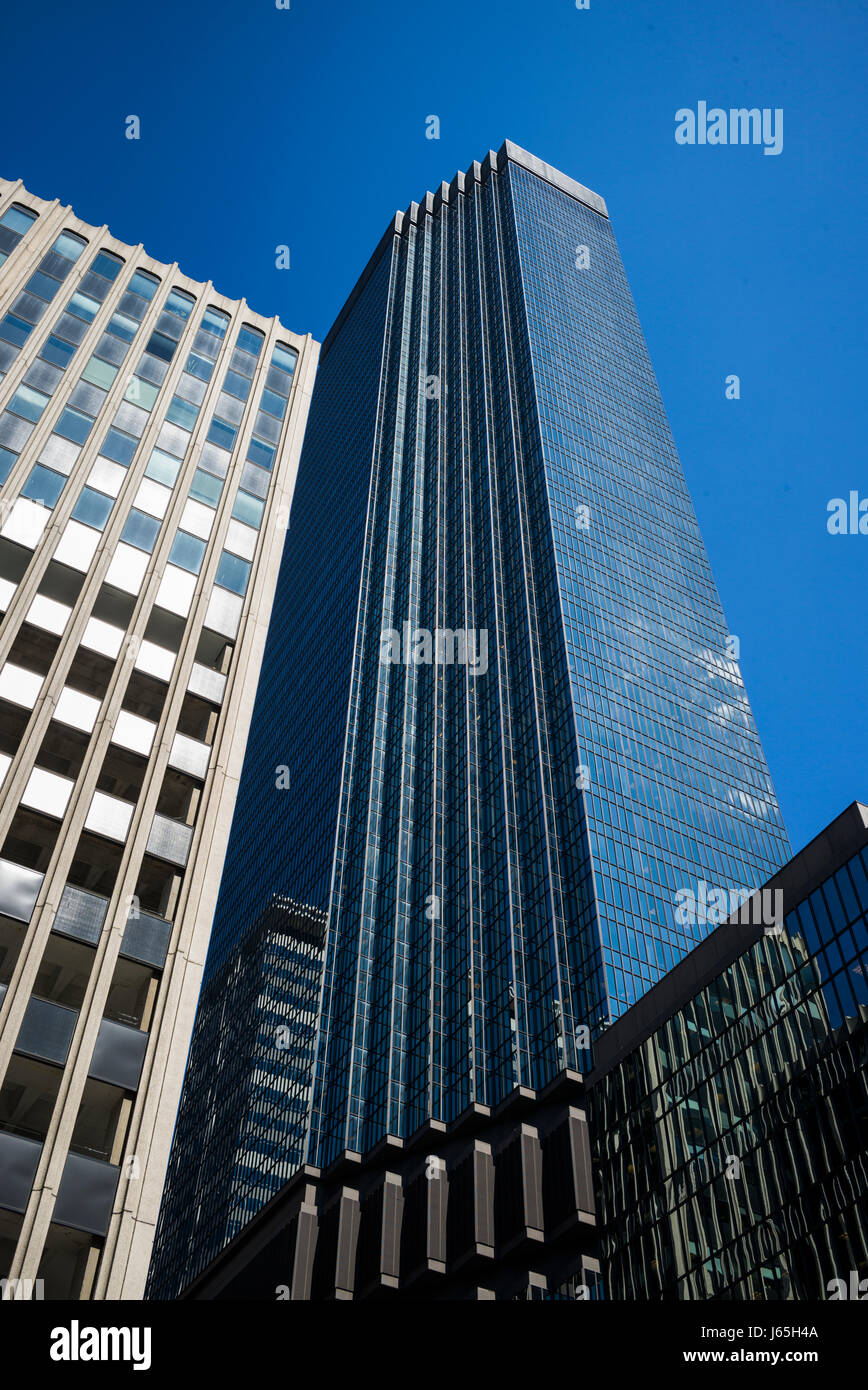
[[498, 679]]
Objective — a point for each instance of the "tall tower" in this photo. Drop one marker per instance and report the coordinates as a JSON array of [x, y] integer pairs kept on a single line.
[[149, 438], [499, 676]]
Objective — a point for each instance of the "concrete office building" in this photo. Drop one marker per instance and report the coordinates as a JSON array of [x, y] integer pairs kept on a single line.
[[149, 437]]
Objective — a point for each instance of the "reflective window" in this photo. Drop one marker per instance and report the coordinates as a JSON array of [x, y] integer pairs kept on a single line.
[[144, 284], [28, 403], [232, 573], [57, 351], [14, 329], [43, 485], [83, 307], [182, 413], [107, 265], [45, 286], [261, 453], [206, 488], [250, 340], [199, 366], [237, 385], [119, 446], [69, 246], [222, 434], [163, 468], [180, 303], [187, 552], [99, 373], [141, 530], [120, 326], [215, 321], [248, 509], [74, 425], [18, 219], [284, 357], [93, 508]]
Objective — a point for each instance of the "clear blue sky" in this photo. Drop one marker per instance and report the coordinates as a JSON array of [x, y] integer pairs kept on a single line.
[[307, 127]]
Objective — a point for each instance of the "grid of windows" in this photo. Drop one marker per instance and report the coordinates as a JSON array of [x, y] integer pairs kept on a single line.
[[477, 919], [110, 499], [725, 1141]]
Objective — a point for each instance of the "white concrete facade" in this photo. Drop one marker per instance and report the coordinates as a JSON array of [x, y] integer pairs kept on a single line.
[[127, 679]]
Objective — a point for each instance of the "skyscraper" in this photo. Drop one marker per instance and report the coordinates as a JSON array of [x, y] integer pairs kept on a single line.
[[499, 679], [149, 438]]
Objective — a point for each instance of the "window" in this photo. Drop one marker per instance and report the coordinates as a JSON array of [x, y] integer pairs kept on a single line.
[[74, 425], [199, 366], [107, 265], [83, 306], [261, 453], [42, 285], [161, 346], [119, 446], [18, 219], [93, 508], [187, 552], [273, 404], [180, 303], [163, 468], [222, 434], [44, 485], [13, 224], [99, 373], [215, 321], [232, 573], [122, 327], [206, 488], [7, 460], [285, 358], [250, 340], [69, 246], [248, 509], [27, 403], [57, 351], [182, 413], [237, 385], [141, 393], [141, 530], [144, 284], [15, 330]]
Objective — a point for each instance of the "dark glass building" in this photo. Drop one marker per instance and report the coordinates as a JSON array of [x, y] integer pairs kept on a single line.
[[729, 1107], [498, 674]]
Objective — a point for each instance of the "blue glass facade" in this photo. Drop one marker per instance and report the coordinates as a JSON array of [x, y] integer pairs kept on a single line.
[[497, 672]]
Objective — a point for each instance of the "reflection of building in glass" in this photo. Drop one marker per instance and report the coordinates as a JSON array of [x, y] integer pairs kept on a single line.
[[498, 845], [257, 1020], [149, 438], [730, 1106]]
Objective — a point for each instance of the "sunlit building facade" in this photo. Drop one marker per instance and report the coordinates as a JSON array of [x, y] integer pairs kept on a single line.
[[149, 438]]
